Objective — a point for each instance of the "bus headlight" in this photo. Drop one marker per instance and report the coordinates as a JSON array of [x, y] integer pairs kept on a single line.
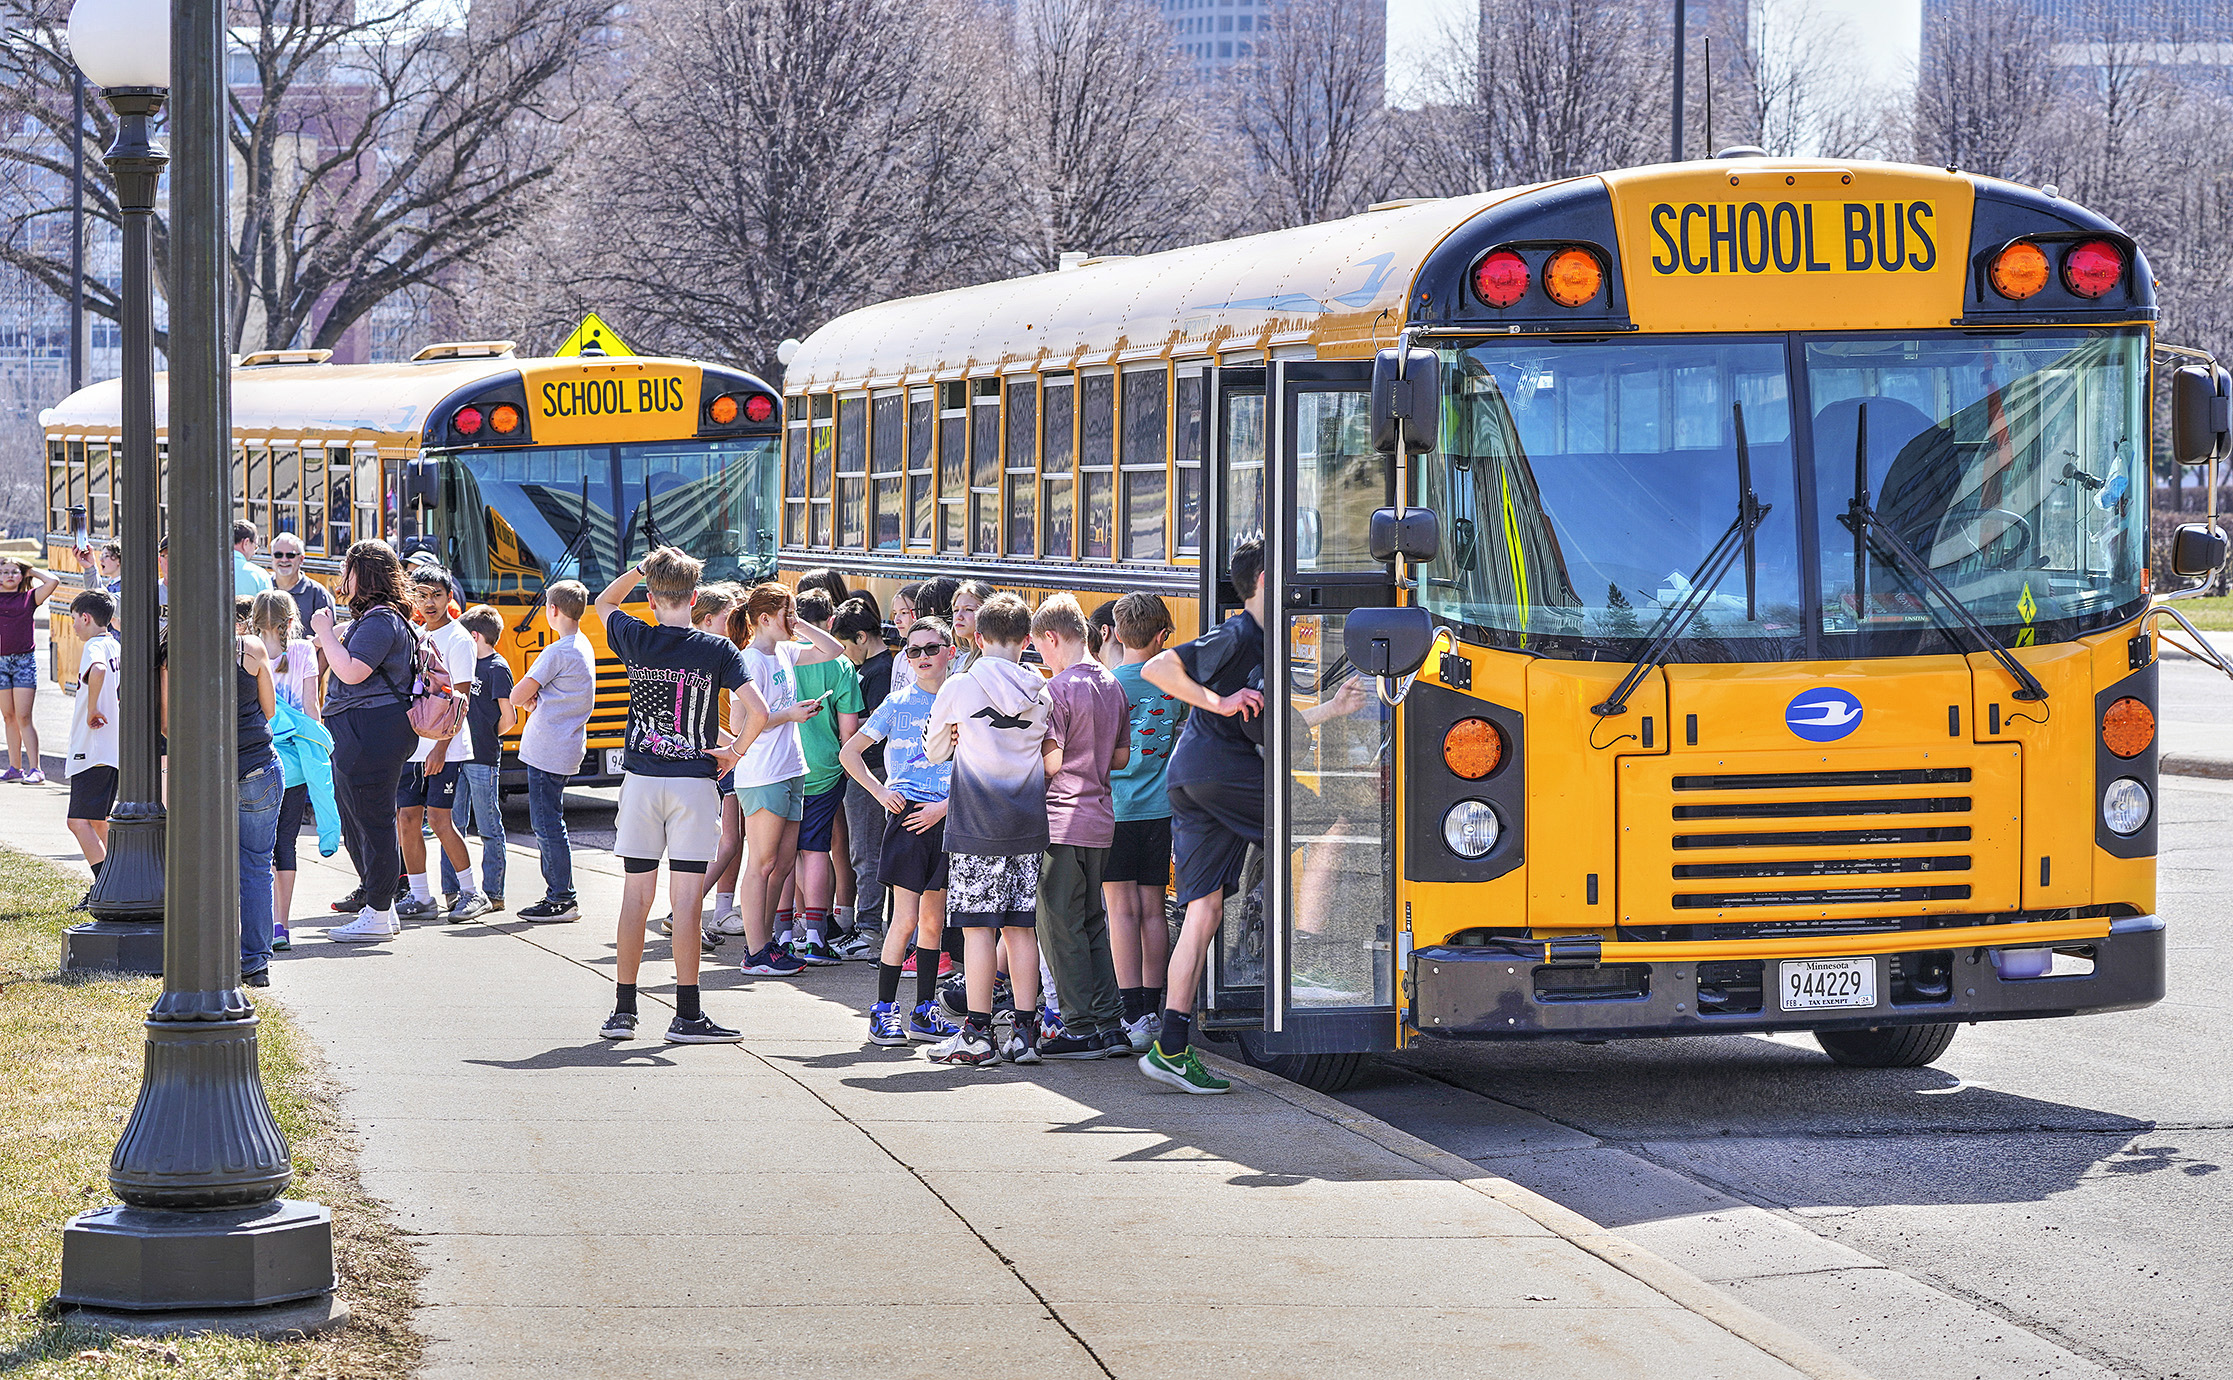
[[2125, 806], [1471, 828]]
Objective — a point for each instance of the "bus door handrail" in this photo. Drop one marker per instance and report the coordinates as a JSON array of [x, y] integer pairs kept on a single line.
[[2203, 649]]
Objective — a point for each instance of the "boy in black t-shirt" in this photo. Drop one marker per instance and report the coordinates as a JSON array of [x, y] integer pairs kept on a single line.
[[479, 808], [674, 752]]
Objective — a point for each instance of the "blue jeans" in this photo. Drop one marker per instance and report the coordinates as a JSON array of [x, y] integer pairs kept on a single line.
[[546, 810], [260, 793], [477, 810]]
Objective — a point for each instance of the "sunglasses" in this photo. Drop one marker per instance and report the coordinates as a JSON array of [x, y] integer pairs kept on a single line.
[[926, 649], [286, 555]]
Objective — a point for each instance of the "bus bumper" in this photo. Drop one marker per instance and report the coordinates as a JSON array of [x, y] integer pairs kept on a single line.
[[1483, 994]]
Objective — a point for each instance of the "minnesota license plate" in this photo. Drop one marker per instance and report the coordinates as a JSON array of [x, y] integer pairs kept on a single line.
[[1818, 984], [615, 760]]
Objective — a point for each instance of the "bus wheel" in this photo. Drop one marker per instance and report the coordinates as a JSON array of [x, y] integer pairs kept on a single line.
[[1890, 1047], [1326, 1073]]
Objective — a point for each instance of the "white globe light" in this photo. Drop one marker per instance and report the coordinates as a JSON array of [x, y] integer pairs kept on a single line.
[[122, 42]]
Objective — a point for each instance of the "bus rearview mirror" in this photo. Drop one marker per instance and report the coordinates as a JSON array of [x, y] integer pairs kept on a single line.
[[2201, 414], [419, 484], [1411, 534], [1414, 400], [1388, 642], [2197, 551]]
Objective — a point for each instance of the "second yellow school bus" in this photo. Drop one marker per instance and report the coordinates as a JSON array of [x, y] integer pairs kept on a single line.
[[1787, 573]]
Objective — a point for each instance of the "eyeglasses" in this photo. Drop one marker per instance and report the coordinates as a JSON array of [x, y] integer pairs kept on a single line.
[[920, 650]]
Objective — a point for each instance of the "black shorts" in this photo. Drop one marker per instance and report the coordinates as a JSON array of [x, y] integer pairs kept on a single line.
[[1141, 853], [821, 816], [1212, 825], [436, 792], [92, 792], [912, 861]]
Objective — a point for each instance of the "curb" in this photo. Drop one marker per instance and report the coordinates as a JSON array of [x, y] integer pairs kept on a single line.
[[1662, 1276], [2216, 768]]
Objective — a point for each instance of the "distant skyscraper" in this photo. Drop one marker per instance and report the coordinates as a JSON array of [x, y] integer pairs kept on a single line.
[[1220, 34]]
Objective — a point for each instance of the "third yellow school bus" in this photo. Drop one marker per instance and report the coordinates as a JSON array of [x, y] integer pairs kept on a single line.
[[1789, 581]]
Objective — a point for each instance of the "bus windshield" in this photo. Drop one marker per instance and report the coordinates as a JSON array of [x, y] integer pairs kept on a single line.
[[509, 521], [1584, 485]]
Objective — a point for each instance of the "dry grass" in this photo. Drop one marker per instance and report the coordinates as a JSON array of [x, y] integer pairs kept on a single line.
[[2210, 615], [72, 1051]]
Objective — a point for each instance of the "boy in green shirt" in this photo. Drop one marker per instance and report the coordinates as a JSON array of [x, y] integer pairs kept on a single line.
[[819, 737]]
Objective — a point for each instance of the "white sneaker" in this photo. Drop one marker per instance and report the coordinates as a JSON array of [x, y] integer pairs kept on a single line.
[[370, 927], [730, 921], [665, 924], [1142, 1032]]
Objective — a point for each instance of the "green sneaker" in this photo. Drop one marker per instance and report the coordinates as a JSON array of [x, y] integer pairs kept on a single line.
[[1184, 1073]]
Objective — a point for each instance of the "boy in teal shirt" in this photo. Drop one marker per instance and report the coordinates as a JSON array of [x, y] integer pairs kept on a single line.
[[824, 820], [1139, 868]]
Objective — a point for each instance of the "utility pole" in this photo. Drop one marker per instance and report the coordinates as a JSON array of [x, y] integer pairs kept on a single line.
[[1678, 155], [77, 233]]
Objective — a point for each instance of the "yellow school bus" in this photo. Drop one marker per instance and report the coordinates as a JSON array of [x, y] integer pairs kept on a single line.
[[1778, 612], [513, 472]]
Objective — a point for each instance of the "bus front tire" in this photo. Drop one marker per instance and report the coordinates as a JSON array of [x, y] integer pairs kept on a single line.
[[1887, 1047], [1326, 1073]]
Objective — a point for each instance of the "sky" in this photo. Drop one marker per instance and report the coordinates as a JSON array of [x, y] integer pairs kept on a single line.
[[1883, 33]]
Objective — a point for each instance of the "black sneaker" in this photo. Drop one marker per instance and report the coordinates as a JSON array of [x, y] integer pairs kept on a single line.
[[351, 903], [260, 978], [1115, 1044], [620, 1025], [701, 1031], [1071, 1047], [548, 912]]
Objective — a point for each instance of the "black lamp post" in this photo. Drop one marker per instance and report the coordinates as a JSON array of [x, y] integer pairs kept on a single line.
[[127, 898], [202, 1229]]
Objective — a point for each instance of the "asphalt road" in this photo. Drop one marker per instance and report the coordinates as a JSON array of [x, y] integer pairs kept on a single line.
[[2064, 1177]]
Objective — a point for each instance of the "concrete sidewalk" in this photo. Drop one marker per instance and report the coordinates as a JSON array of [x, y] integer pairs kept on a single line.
[[808, 1204]]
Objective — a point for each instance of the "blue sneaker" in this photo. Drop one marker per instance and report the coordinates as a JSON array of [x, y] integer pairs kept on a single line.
[[1050, 1023], [885, 1026], [926, 1026], [771, 961]]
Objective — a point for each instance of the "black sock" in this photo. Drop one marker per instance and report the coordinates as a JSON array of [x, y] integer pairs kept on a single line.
[[1177, 1030], [887, 982], [981, 1021], [97, 868], [624, 997], [686, 1002], [1135, 1001], [926, 975], [1153, 1002]]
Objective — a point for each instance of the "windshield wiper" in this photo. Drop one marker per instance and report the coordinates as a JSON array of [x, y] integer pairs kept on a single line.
[[1861, 519], [1735, 542], [581, 536]]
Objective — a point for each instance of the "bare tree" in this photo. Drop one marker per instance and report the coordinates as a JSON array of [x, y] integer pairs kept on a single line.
[[1782, 82], [1309, 111], [378, 146], [1987, 78], [1105, 133]]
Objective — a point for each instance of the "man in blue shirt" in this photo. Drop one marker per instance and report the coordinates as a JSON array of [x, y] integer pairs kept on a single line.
[[249, 579]]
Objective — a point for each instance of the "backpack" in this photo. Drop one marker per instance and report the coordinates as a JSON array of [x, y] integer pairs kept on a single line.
[[436, 711]]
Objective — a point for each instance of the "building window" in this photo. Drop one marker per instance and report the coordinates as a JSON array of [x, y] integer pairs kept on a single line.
[[1097, 463], [1058, 453], [984, 466], [887, 446], [922, 434], [1023, 466], [1147, 479], [1189, 446], [953, 464], [852, 473]]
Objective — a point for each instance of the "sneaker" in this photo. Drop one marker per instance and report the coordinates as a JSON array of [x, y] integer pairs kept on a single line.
[[468, 907], [412, 908], [926, 1026], [1115, 1044], [665, 924], [966, 1047], [620, 1025], [34, 777], [907, 969], [1184, 1073], [954, 995], [861, 944], [260, 978], [281, 941], [370, 927], [770, 962], [1071, 1047], [815, 955], [701, 1031], [84, 902], [350, 903], [730, 921], [549, 912], [495, 903], [1050, 1020], [885, 1026], [11, 774], [1142, 1031], [708, 943], [1022, 1045]]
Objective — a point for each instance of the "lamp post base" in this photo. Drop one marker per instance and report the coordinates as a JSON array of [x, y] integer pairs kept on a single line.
[[151, 1261], [279, 1322], [130, 886], [113, 946]]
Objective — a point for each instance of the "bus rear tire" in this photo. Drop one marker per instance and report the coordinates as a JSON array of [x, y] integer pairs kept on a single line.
[[1889, 1047], [1326, 1073]]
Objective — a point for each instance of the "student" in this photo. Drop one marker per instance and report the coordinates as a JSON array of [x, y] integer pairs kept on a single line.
[[709, 613], [1216, 785], [674, 751], [861, 633], [837, 686], [249, 578], [911, 859], [22, 592], [557, 695], [93, 730], [1139, 871], [969, 597], [771, 775], [263, 789], [490, 715], [1101, 637], [992, 721], [1088, 736], [305, 751], [428, 791], [368, 712], [904, 610]]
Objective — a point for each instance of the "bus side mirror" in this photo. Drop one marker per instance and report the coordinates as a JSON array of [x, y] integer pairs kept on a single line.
[[2197, 551], [420, 485], [1415, 400], [2201, 401], [1388, 642], [1411, 534]]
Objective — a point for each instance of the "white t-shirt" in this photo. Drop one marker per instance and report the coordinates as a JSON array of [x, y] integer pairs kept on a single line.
[[557, 733], [89, 746], [300, 674], [456, 646], [775, 755]]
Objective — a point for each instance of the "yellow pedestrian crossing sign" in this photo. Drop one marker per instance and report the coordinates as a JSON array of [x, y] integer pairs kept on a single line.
[[593, 337]]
